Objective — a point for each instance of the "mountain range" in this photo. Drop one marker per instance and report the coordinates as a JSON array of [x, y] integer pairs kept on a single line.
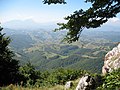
[[28, 24], [44, 49]]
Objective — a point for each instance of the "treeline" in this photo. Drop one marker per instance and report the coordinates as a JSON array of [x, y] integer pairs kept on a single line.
[[32, 77]]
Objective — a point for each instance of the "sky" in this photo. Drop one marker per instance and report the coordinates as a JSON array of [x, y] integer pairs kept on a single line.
[[43, 13], [36, 10]]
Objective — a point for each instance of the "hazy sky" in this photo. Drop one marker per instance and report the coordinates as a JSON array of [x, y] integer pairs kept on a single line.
[[36, 10], [39, 12]]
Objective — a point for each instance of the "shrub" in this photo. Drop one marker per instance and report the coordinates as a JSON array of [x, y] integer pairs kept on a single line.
[[111, 81]]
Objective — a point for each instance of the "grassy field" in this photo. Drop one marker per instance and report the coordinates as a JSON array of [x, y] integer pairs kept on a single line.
[[14, 87], [57, 87]]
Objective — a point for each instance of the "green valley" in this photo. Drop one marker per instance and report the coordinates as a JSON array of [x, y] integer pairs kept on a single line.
[[44, 49]]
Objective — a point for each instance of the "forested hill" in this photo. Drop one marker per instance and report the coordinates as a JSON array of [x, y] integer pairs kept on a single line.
[[46, 51]]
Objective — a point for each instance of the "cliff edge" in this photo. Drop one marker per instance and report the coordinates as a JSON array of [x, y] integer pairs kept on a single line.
[[112, 60]]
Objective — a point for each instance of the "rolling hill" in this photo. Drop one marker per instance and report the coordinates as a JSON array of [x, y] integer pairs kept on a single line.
[[44, 49]]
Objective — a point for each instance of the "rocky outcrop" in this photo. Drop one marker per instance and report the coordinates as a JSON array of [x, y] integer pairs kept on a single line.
[[68, 85], [86, 83], [112, 60]]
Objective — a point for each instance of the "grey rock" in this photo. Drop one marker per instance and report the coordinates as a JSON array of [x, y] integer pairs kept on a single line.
[[112, 60], [86, 83], [68, 85]]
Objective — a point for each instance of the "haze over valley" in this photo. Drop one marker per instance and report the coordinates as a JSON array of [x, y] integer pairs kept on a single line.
[[44, 49]]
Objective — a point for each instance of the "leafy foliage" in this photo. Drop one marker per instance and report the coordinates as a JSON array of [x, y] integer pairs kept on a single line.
[[8, 65], [54, 2], [28, 73], [94, 17], [33, 77], [112, 80], [52, 80], [60, 76]]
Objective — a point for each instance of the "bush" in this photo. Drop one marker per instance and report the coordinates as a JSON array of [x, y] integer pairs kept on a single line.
[[111, 81], [61, 76], [29, 74]]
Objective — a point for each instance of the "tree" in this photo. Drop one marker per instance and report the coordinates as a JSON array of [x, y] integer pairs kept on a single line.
[[29, 74], [8, 65], [95, 16], [54, 1]]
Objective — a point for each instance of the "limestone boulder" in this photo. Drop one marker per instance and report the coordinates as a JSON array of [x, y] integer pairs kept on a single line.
[[112, 60], [68, 85], [86, 83]]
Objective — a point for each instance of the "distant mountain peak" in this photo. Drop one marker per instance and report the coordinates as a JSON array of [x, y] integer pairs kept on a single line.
[[20, 24], [27, 24]]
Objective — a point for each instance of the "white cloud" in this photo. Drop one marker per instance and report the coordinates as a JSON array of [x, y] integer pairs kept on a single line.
[[23, 17], [15, 16], [113, 22]]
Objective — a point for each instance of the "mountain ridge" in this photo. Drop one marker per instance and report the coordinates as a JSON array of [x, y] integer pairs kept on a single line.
[[28, 24], [44, 49]]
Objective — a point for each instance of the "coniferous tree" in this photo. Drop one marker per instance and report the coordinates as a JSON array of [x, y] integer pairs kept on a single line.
[[8, 65]]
